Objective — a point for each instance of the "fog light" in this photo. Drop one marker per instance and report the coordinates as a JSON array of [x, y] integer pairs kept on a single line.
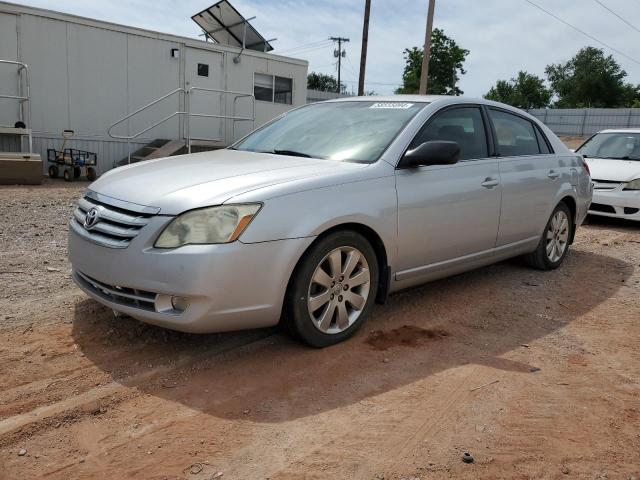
[[170, 304], [179, 303]]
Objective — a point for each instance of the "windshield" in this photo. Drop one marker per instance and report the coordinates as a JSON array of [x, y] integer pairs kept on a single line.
[[347, 131], [618, 146]]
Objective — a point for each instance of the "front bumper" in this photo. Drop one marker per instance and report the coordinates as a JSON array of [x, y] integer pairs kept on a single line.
[[229, 287], [616, 204]]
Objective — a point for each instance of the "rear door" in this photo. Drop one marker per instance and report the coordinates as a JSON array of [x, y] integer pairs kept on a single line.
[[448, 211], [531, 176]]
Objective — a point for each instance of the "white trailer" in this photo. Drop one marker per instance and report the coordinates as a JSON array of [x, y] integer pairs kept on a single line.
[[86, 75]]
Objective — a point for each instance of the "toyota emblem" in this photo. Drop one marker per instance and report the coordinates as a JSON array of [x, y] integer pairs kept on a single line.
[[91, 218]]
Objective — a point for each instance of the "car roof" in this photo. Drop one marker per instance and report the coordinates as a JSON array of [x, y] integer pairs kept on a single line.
[[620, 130], [442, 100], [404, 98]]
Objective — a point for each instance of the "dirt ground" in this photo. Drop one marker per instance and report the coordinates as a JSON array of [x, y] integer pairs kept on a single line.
[[535, 374]]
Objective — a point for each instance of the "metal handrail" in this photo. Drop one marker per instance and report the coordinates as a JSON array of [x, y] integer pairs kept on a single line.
[[231, 117], [22, 98], [187, 113]]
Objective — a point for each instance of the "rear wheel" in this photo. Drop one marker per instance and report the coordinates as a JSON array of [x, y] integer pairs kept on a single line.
[[53, 171], [67, 174], [554, 244], [333, 289]]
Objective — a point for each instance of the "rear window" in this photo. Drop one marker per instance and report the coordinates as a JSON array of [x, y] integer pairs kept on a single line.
[[516, 136]]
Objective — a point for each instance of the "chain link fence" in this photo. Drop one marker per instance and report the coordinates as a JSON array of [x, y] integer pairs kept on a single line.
[[587, 121]]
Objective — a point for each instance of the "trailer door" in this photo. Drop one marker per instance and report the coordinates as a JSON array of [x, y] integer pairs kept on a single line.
[[204, 69]]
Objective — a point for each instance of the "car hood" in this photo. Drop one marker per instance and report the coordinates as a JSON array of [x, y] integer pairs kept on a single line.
[[613, 170], [184, 182]]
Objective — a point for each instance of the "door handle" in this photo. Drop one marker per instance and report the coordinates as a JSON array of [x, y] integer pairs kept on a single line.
[[553, 174], [490, 182]]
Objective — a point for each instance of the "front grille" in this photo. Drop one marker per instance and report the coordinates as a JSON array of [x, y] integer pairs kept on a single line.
[[599, 207], [115, 226], [121, 295], [605, 185]]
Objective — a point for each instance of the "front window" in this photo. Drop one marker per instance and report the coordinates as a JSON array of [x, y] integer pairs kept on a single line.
[[618, 146], [348, 131]]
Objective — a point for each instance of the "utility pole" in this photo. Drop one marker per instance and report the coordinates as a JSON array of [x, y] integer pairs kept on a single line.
[[365, 41], [339, 53], [427, 49]]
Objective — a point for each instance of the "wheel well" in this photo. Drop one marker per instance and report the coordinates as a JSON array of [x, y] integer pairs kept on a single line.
[[378, 246], [571, 203]]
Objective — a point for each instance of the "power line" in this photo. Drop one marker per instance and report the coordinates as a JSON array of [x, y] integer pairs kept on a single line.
[[306, 46], [582, 32], [615, 14]]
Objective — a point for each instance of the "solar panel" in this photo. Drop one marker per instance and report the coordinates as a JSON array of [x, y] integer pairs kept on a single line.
[[224, 24]]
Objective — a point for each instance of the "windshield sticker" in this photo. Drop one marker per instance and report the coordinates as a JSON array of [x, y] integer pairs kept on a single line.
[[392, 105]]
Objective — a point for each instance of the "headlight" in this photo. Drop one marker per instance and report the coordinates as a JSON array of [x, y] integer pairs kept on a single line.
[[633, 185], [221, 224]]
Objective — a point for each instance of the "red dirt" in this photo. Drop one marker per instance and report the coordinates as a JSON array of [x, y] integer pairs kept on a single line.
[[89, 396]]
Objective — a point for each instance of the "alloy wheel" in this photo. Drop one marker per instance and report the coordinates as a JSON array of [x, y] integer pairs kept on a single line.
[[557, 236], [339, 289]]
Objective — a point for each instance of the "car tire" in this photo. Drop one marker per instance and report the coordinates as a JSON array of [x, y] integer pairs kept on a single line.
[[319, 308], [554, 243], [91, 174]]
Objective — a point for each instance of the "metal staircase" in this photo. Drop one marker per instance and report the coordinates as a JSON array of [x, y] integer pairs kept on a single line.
[[160, 148]]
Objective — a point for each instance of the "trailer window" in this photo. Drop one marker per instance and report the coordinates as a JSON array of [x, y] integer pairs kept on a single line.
[[263, 87], [283, 92], [270, 88], [203, 70]]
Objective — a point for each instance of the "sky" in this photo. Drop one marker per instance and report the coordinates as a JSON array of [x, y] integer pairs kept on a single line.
[[503, 36]]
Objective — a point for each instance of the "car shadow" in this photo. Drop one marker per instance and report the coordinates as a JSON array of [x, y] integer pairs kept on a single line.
[[264, 376]]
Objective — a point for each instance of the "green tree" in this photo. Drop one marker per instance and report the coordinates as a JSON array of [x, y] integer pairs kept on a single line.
[[445, 66], [590, 79], [524, 91], [324, 83]]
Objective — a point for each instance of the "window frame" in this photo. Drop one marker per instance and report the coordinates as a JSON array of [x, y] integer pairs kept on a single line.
[[273, 87], [537, 131], [485, 122]]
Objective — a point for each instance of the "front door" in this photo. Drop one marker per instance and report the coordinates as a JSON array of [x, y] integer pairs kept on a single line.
[[203, 69], [447, 212]]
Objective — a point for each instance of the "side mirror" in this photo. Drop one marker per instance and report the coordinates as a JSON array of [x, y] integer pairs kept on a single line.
[[435, 152]]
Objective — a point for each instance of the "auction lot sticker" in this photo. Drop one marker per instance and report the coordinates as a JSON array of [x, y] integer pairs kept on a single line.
[[392, 105]]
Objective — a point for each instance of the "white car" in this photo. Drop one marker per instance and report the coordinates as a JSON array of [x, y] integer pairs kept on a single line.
[[613, 157]]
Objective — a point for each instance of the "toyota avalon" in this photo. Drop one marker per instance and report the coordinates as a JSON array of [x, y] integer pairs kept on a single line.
[[326, 210]]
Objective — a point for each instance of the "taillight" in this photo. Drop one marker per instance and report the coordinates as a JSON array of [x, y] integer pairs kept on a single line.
[[585, 165]]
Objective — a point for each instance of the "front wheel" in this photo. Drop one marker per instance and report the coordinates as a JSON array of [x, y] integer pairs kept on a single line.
[[554, 244], [333, 289]]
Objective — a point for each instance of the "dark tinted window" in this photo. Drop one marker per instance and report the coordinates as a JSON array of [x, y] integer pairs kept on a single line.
[[463, 125], [516, 135], [203, 70]]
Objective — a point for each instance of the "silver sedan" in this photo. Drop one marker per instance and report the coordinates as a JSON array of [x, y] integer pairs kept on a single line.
[[324, 211]]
